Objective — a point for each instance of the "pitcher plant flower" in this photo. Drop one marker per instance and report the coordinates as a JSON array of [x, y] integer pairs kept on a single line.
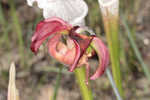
[[72, 11], [69, 47]]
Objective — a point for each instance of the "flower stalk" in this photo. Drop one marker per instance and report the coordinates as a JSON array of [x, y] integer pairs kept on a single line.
[[84, 88], [109, 9]]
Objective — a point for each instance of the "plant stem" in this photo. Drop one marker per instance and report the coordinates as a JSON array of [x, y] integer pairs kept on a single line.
[[113, 84], [58, 78], [111, 28], [135, 48], [110, 11], [84, 89]]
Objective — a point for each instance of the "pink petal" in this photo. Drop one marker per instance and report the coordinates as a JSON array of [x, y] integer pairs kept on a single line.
[[52, 45], [46, 28], [82, 40], [76, 60], [60, 51], [103, 55]]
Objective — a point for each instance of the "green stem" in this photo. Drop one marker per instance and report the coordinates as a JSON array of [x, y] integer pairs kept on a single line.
[[135, 48], [111, 28], [58, 78], [80, 77]]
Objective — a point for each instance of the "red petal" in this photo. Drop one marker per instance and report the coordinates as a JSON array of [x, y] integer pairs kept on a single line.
[[82, 40], [103, 55], [78, 53], [46, 28], [52, 45]]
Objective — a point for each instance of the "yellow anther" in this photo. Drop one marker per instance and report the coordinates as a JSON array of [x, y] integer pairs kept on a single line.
[[64, 32]]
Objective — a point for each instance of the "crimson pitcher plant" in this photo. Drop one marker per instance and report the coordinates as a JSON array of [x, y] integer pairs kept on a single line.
[[70, 47]]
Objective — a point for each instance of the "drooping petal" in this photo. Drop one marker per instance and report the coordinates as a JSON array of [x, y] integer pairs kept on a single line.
[[77, 57], [60, 51], [103, 56], [46, 28], [72, 11], [82, 42]]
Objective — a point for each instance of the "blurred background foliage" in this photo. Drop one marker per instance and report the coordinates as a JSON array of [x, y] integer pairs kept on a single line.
[[36, 75]]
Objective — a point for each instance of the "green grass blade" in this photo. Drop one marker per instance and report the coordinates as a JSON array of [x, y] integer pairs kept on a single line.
[[113, 84], [17, 29], [58, 78], [1, 15], [134, 46], [3, 23]]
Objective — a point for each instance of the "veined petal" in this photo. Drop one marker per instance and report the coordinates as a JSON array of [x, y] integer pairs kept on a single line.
[[103, 56], [46, 28], [60, 51], [77, 57], [72, 11], [81, 42]]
